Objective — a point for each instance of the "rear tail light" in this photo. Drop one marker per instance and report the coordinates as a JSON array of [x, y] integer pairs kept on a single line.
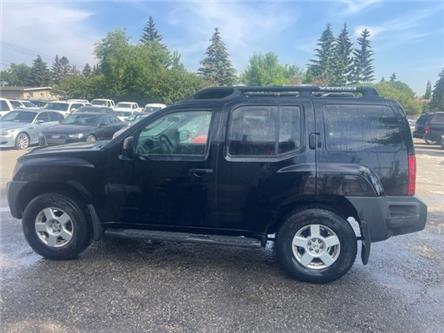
[[427, 130], [412, 174]]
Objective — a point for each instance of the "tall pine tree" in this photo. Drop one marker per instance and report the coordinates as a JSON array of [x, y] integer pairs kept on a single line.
[[393, 77], [56, 71], [437, 102], [40, 74], [321, 69], [428, 92], [150, 33], [87, 70], [343, 61], [363, 70], [216, 66]]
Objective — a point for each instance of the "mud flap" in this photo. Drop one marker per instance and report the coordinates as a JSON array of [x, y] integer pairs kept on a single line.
[[365, 242]]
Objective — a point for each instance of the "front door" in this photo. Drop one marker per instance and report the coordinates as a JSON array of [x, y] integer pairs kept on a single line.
[[174, 171]]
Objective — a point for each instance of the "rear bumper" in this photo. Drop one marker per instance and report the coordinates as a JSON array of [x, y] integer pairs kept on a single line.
[[13, 189], [390, 216]]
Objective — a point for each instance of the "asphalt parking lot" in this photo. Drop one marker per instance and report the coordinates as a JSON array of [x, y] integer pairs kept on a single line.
[[136, 286]]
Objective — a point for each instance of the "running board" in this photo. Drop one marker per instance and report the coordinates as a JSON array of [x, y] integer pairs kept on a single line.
[[184, 237]]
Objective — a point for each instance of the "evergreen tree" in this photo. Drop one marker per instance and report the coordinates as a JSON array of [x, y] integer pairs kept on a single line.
[[437, 102], [428, 92], [321, 69], [382, 79], [343, 61], [363, 70], [65, 66], [150, 33], [216, 66], [86, 70], [393, 77], [40, 74], [56, 70]]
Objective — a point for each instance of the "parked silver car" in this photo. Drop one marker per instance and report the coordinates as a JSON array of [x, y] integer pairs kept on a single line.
[[20, 129]]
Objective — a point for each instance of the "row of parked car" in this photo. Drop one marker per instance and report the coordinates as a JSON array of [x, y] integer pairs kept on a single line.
[[60, 122], [430, 127]]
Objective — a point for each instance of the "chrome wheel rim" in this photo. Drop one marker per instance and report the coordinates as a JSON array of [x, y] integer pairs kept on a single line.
[[23, 141], [316, 246], [54, 227]]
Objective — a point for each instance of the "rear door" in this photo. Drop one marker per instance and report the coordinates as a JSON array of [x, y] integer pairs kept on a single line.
[[265, 161]]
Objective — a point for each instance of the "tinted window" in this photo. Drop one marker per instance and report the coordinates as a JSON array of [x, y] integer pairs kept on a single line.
[[54, 116], [356, 128], [4, 106], [76, 106], [44, 117], [181, 133], [57, 106], [82, 119], [264, 130], [438, 118]]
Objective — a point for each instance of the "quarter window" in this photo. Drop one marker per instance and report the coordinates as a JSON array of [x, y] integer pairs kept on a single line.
[[180, 133], [264, 130], [357, 128]]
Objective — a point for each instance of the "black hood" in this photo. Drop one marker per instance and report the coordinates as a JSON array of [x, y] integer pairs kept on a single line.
[[68, 129]]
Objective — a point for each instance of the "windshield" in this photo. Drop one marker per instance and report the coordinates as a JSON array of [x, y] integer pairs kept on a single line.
[[19, 116], [98, 102], [90, 109], [124, 105], [28, 104], [57, 106], [81, 119], [151, 108]]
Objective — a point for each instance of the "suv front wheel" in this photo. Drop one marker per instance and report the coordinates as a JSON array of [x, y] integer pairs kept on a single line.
[[316, 245], [56, 227]]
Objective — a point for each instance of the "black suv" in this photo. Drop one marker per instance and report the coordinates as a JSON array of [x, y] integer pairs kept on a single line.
[[235, 166], [434, 129]]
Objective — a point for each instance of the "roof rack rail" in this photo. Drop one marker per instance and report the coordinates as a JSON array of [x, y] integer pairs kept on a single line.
[[303, 90]]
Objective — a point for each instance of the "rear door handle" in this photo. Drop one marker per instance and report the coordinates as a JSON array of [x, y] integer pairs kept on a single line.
[[200, 172], [312, 140]]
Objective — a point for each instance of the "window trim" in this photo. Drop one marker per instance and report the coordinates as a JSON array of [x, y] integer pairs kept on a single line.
[[266, 158], [395, 113], [178, 157]]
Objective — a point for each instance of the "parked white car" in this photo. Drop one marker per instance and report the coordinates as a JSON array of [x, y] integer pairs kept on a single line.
[[153, 107], [5, 106], [23, 104], [109, 103], [64, 107], [78, 100], [126, 110]]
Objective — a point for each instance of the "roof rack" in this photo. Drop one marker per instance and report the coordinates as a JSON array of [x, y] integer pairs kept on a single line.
[[229, 92]]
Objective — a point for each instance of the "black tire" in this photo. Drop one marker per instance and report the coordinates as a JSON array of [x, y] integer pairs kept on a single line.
[[81, 235], [22, 141], [300, 219]]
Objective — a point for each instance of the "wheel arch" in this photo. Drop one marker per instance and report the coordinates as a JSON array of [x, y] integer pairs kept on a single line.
[[337, 204]]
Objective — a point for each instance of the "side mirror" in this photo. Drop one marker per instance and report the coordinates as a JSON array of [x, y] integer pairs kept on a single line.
[[128, 147]]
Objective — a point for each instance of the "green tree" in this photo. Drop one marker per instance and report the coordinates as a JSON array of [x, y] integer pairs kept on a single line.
[[87, 70], [150, 33], [216, 66], [39, 74], [263, 70], [321, 68], [16, 75], [343, 61], [437, 102], [428, 92], [363, 70], [402, 93], [56, 71], [393, 77]]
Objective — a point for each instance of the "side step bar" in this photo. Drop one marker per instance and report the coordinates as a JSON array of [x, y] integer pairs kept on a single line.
[[184, 237]]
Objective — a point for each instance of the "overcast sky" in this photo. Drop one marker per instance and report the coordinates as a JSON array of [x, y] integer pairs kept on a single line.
[[408, 36]]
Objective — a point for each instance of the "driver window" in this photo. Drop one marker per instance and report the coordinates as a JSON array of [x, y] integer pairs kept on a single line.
[[181, 133]]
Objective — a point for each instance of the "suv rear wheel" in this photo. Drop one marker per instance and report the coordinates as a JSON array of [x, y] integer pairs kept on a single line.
[[56, 227], [316, 245]]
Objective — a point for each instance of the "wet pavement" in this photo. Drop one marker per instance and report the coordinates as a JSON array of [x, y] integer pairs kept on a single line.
[[136, 286]]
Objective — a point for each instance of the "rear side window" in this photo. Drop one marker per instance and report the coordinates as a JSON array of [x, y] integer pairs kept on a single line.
[[54, 116], [361, 127], [264, 131]]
